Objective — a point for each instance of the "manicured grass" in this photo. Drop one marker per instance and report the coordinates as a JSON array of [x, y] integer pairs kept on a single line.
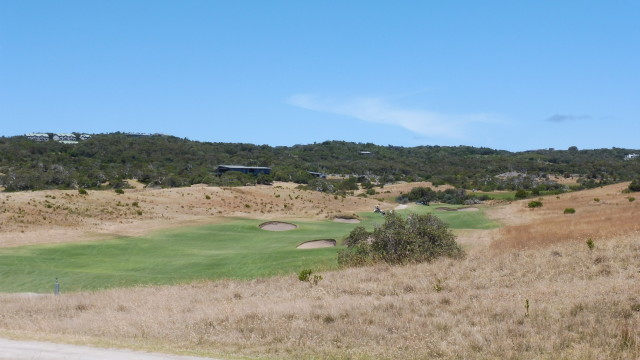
[[457, 219], [237, 249]]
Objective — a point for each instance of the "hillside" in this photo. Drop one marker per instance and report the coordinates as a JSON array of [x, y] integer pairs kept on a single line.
[[164, 161]]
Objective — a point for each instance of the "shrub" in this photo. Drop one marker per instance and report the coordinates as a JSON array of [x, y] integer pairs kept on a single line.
[[82, 192], [534, 204], [521, 194], [635, 185], [590, 244], [400, 240], [596, 199], [569, 211], [632, 199], [119, 191], [207, 197], [305, 275]]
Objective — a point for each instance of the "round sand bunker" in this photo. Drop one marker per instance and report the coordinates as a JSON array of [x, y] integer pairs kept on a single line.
[[316, 244], [277, 226]]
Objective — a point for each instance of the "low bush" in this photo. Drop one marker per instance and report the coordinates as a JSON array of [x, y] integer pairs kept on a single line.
[[306, 276], [635, 185], [534, 204], [521, 194], [400, 240], [569, 211]]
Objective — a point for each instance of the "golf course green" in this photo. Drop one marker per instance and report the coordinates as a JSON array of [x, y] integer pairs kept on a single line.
[[235, 249]]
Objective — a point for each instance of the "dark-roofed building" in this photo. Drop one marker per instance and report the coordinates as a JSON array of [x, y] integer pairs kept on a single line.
[[251, 170]]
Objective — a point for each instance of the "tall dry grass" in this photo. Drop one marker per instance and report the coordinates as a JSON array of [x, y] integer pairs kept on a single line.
[[600, 214], [583, 304]]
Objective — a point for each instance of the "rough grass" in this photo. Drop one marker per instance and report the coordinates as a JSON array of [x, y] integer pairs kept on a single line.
[[584, 304], [612, 216]]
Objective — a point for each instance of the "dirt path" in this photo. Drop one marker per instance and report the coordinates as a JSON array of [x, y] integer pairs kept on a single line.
[[19, 350]]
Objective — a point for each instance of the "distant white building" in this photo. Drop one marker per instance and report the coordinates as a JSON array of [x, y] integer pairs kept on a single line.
[[631, 156], [37, 136], [64, 137], [84, 137]]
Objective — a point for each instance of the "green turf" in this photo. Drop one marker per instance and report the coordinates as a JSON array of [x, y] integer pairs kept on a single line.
[[457, 219], [236, 249]]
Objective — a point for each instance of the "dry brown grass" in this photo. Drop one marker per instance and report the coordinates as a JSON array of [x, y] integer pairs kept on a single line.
[[612, 214]]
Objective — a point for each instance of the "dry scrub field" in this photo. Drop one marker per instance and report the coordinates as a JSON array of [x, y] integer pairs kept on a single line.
[[530, 290]]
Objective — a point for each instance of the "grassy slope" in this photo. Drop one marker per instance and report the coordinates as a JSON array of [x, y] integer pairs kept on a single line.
[[237, 249]]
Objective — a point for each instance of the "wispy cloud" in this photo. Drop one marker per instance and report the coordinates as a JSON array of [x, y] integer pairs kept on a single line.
[[376, 110], [558, 118]]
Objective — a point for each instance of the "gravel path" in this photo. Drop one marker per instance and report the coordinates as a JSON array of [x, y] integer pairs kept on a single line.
[[32, 350]]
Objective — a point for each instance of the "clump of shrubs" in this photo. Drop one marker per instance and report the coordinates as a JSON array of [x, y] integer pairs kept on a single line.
[[416, 238], [119, 191], [569, 211], [82, 192], [534, 204], [306, 275], [521, 194], [635, 185]]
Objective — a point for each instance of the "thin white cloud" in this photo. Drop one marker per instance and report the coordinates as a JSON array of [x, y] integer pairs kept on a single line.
[[376, 110], [558, 118]]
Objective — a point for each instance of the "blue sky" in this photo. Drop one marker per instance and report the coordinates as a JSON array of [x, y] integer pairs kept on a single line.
[[514, 75]]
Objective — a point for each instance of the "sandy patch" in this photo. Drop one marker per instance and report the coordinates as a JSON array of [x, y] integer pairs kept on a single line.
[[444, 208], [346, 220], [402, 206], [277, 226], [316, 244]]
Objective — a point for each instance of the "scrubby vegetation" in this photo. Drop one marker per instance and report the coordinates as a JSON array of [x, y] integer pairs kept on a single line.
[[534, 204], [425, 195], [416, 238], [168, 161]]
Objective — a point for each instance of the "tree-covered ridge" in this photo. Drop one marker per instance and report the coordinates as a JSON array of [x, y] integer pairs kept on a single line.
[[171, 161]]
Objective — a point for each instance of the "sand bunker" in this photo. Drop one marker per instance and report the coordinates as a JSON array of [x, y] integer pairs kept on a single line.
[[460, 209], [315, 244], [346, 220], [277, 226]]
